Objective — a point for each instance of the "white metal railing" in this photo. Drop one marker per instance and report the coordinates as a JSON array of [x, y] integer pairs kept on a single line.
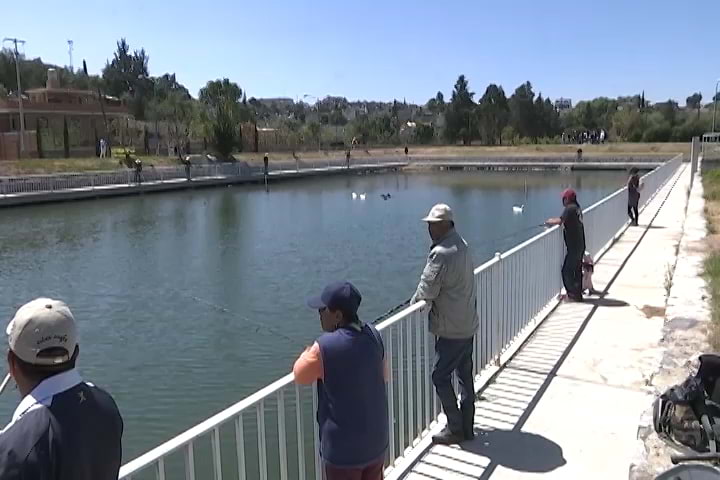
[[273, 432], [103, 179]]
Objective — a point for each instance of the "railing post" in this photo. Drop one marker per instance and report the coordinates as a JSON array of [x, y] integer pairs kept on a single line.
[[498, 314], [390, 393], [316, 438]]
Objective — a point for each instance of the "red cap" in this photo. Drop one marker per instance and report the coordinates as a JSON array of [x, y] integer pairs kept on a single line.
[[569, 195]]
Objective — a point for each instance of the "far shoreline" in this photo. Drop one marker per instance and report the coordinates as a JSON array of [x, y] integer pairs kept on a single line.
[[567, 153]]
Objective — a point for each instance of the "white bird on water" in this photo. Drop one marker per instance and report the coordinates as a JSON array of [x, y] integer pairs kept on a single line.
[[362, 196], [354, 195], [519, 208]]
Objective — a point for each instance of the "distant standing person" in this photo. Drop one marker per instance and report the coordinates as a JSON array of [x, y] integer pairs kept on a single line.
[[64, 428], [574, 235], [266, 163], [348, 364], [103, 148], [634, 187], [447, 284], [188, 166], [138, 171], [347, 158]]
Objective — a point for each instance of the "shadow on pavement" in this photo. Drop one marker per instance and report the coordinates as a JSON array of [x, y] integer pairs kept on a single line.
[[606, 302], [520, 451]]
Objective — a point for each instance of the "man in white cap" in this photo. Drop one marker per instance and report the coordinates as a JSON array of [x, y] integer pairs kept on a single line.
[[64, 428], [447, 284]]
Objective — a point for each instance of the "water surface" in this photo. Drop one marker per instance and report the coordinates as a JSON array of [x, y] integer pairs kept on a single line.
[[188, 301]]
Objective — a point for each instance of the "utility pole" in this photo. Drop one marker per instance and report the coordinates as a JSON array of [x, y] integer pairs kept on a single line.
[[102, 109], [715, 99], [70, 50], [15, 42]]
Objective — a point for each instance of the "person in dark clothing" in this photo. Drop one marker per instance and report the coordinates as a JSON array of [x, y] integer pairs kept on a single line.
[[574, 235], [634, 187], [138, 171], [64, 428], [348, 364], [188, 166]]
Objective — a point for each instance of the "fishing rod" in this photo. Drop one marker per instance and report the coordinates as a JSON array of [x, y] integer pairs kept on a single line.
[[5, 383]]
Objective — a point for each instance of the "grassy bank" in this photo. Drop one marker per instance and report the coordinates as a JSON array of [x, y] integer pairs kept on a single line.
[[711, 187], [57, 165]]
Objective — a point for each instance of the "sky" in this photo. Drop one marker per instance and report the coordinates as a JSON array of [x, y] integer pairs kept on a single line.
[[392, 49]]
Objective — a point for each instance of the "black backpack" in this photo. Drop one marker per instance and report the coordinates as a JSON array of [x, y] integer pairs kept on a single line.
[[689, 413]]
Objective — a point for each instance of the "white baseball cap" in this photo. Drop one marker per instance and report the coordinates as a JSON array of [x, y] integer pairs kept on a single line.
[[39, 325], [439, 213]]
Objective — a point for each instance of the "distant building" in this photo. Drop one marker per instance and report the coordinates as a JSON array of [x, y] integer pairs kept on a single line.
[[563, 104], [50, 112]]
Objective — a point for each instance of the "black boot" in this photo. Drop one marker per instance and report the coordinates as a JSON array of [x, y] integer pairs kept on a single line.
[[447, 437]]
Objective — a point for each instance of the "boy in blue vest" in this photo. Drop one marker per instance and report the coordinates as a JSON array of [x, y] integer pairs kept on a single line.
[[348, 364]]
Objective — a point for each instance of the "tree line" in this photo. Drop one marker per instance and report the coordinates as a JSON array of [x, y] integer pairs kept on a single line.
[[529, 118], [493, 119]]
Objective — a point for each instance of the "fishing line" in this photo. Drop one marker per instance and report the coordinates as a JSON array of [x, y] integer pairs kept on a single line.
[[508, 236]]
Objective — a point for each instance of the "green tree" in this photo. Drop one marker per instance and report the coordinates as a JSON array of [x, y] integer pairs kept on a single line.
[[337, 118], [221, 114], [494, 114], [33, 72], [668, 110], [460, 115], [522, 111], [628, 124], [177, 110], [126, 76], [167, 85], [313, 132], [436, 104], [299, 112], [424, 133], [694, 101], [547, 118]]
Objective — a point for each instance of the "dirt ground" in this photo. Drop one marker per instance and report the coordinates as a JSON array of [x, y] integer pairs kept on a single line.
[[57, 165], [711, 186]]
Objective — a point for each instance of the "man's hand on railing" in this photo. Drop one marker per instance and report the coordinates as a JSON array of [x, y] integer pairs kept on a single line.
[[553, 221]]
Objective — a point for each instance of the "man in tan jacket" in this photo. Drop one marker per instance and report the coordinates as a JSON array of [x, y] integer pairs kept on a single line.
[[448, 285]]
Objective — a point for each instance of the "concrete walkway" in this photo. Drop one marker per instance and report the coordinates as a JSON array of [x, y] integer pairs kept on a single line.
[[567, 405]]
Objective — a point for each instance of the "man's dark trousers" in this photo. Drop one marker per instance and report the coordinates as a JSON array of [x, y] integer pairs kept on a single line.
[[572, 272], [633, 212], [455, 355]]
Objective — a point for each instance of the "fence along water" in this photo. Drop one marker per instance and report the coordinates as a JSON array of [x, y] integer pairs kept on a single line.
[[272, 434], [91, 180]]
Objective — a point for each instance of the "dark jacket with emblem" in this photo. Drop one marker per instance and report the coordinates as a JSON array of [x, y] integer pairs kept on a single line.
[[74, 434]]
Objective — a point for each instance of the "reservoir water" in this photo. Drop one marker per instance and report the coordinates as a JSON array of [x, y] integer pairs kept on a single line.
[[189, 301]]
